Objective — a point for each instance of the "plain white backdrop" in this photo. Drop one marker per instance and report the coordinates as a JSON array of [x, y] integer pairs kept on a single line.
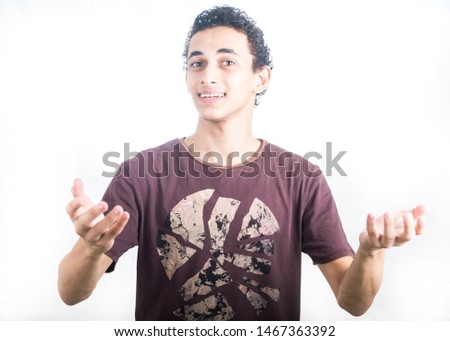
[[81, 78]]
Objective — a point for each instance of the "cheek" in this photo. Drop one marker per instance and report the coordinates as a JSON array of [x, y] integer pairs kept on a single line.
[[247, 84], [189, 83]]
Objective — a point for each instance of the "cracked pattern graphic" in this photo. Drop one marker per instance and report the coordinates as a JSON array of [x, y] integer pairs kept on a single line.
[[262, 246], [202, 292], [254, 298], [172, 254], [186, 218], [212, 308], [209, 278]]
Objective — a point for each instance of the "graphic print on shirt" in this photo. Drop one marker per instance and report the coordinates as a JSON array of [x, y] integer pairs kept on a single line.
[[186, 221]]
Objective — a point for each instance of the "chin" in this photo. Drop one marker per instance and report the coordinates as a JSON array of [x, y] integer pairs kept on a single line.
[[214, 118], [213, 114]]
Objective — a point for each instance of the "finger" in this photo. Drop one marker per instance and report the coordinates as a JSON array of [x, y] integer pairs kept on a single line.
[[77, 188], [419, 211], [78, 192], [389, 230], [117, 227], [409, 230], [108, 228], [85, 221], [371, 228], [421, 225], [108, 220], [73, 206], [96, 232]]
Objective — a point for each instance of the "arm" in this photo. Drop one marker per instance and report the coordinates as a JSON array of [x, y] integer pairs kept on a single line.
[[84, 265], [356, 282]]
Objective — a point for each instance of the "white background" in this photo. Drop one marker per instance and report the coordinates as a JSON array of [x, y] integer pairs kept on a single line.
[[80, 78]]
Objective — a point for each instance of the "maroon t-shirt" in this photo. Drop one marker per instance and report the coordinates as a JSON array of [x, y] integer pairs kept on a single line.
[[223, 243]]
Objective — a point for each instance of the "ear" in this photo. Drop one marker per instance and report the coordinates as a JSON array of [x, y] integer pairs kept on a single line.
[[263, 79]]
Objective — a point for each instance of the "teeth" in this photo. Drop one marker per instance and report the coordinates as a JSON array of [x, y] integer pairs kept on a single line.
[[211, 95]]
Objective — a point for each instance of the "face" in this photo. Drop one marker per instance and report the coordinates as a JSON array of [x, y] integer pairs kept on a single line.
[[220, 75]]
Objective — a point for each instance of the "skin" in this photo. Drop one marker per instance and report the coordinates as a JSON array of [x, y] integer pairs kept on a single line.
[[219, 62], [84, 265], [355, 282]]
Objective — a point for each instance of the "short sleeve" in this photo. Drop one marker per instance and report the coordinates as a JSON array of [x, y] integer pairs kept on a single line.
[[323, 237], [122, 192]]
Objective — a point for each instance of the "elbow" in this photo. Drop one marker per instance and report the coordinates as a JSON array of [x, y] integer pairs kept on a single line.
[[356, 312], [355, 308], [68, 298], [70, 301]]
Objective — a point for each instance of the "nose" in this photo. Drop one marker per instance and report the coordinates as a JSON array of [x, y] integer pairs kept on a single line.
[[209, 75]]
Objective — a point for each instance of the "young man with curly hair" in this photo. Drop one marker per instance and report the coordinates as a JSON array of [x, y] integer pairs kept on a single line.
[[221, 217]]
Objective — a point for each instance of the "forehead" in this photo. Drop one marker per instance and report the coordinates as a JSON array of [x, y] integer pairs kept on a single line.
[[216, 38]]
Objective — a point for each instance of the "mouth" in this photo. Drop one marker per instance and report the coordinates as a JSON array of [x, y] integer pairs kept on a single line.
[[212, 95]]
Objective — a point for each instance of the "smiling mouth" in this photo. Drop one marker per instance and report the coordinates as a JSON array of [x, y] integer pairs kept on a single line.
[[218, 95]]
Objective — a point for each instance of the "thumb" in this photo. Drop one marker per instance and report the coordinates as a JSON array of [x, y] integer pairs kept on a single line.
[[77, 188], [419, 211]]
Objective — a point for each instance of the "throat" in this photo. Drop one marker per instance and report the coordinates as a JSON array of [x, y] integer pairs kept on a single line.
[[221, 154]]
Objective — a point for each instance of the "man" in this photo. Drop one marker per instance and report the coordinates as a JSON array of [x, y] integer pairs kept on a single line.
[[220, 217]]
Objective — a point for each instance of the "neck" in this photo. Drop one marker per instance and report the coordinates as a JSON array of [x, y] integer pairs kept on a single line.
[[223, 143]]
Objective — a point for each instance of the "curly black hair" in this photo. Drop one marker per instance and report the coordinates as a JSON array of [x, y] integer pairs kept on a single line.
[[239, 20]]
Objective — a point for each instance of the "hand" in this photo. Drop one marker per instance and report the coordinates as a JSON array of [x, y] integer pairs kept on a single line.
[[97, 231], [393, 228]]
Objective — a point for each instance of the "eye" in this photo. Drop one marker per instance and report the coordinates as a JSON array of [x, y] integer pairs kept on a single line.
[[228, 62], [196, 65]]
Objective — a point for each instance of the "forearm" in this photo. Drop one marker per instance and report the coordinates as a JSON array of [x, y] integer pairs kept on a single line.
[[79, 272], [361, 282]]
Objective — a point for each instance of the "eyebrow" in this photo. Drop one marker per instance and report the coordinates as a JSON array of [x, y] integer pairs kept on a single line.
[[219, 51]]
